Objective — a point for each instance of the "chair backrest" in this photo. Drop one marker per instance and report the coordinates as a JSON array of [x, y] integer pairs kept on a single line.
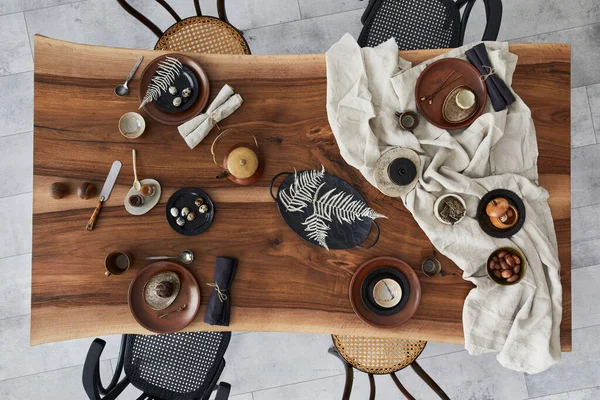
[[182, 366], [154, 28], [424, 24]]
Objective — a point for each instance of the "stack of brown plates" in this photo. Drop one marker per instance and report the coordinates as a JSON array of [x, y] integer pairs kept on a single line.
[[410, 304], [431, 79], [188, 299]]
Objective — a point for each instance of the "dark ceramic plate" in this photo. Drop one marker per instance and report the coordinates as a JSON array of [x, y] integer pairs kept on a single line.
[[341, 235], [186, 197], [186, 79], [375, 319], [484, 220], [366, 290]]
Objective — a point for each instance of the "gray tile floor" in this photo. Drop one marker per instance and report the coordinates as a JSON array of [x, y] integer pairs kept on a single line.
[[274, 365]]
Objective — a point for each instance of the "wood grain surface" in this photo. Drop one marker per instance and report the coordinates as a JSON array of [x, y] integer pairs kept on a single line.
[[282, 283]]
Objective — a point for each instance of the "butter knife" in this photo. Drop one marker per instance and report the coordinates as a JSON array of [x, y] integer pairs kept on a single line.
[[105, 192]]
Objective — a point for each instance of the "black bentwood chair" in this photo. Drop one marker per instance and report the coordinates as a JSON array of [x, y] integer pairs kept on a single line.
[[177, 366], [424, 24], [198, 34]]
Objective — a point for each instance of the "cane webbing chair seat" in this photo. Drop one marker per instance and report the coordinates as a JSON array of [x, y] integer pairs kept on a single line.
[[378, 355], [416, 24], [203, 35], [174, 366], [424, 24]]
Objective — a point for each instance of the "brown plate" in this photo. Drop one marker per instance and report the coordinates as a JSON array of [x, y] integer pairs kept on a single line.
[[189, 294], [431, 79], [175, 118], [370, 317]]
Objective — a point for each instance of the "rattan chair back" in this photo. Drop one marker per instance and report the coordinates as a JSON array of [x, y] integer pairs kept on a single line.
[[200, 34], [378, 355]]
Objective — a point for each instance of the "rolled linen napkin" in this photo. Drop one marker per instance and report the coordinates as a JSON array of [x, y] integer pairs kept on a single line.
[[196, 129], [219, 304], [499, 93]]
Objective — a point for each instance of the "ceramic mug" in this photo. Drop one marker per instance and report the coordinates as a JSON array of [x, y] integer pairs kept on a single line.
[[117, 263], [432, 267]]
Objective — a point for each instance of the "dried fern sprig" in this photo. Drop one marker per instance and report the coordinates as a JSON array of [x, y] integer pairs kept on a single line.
[[168, 70]]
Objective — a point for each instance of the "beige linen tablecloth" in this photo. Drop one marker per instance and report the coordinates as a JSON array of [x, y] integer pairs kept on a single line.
[[499, 150]]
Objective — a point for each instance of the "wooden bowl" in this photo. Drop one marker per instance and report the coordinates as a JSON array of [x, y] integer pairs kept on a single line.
[[513, 251]]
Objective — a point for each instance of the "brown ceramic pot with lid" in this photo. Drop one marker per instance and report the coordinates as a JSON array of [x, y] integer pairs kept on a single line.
[[243, 163]]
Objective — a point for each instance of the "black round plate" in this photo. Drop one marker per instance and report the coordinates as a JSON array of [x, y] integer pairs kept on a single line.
[[366, 290], [341, 235], [184, 80], [484, 220], [186, 197]]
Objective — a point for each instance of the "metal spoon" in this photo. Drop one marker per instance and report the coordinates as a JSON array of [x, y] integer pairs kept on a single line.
[[123, 90], [136, 182], [186, 257]]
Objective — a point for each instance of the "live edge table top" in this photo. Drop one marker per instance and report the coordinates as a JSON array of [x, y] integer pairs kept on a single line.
[[282, 283]]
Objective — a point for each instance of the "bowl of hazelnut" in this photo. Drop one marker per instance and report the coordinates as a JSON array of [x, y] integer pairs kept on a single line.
[[506, 266]]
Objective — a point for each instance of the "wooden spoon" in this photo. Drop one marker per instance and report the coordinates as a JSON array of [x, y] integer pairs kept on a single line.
[[136, 183]]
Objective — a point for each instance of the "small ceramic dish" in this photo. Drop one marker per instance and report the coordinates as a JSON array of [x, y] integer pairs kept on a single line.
[[132, 125], [497, 263], [149, 201], [438, 204]]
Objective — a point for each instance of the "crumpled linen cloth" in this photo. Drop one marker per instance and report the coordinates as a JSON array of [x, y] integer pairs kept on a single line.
[[499, 150], [197, 128]]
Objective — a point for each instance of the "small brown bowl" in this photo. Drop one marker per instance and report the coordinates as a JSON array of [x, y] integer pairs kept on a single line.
[[511, 251]]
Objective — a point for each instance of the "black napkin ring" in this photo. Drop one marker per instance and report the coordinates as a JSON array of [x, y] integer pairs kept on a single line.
[[220, 292]]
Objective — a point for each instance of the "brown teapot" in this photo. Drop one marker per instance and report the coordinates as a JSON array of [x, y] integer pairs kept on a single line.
[[243, 163]]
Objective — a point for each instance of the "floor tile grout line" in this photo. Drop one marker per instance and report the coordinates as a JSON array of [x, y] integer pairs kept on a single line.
[[16, 316], [16, 255], [442, 354], [17, 73], [43, 372], [43, 8], [297, 383], [18, 133], [558, 30], [566, 391], [28, 37], [299, 9], [299, 20], [587, 94], [8, 196]]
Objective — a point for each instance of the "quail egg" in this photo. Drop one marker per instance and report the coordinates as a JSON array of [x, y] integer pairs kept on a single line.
[[174, 211], [199, 201], [187, 92], [173, 90], [185, 211], [177, 101], [203, 209], [191, 216], [180, 221]]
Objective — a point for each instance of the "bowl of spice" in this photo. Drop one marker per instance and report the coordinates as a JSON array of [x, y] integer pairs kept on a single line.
[[450, 209], [506, 266]]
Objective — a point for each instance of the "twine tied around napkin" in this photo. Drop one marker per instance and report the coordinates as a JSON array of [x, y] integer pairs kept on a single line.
[[219, 305], [220, 293], [499, 93], [491, 71], [196, 129]]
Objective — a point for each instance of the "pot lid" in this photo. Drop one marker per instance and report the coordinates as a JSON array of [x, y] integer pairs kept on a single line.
[[242, 162]]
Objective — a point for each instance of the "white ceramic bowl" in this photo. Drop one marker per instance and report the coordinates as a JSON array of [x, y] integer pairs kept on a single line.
[[437, 203], [132, 125]]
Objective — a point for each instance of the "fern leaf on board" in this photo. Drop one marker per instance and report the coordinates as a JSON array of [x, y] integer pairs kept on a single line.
[[302, 190], [168, 70], [317, 229], [343, 206]]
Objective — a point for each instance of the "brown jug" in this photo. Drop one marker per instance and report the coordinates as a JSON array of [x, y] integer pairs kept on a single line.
[[243, 163]]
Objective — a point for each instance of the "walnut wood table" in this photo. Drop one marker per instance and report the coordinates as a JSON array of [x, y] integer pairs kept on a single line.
[[282, 283]]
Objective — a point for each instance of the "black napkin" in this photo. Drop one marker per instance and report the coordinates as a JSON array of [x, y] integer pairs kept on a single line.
[[219, 305], [499, 93]]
